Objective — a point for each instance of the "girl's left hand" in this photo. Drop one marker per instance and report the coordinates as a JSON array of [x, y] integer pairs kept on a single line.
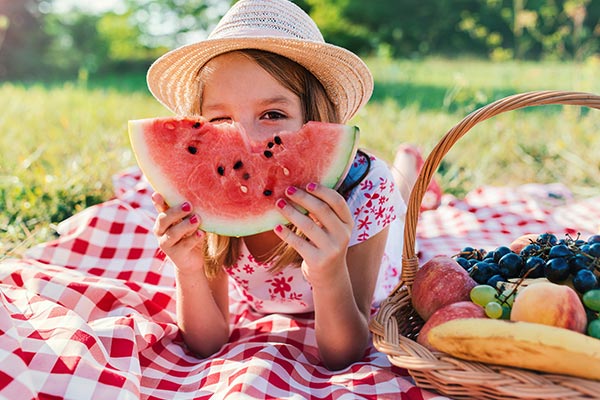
[[327, 227]]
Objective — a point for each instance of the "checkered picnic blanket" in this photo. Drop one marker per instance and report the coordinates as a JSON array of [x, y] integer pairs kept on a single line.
[[91, 315]]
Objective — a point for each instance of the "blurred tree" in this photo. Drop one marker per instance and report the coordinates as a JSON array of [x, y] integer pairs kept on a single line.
[[23, 39], [170, 23], [534, 29]]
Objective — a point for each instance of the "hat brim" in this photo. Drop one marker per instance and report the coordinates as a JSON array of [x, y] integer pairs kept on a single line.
[[173, 78]]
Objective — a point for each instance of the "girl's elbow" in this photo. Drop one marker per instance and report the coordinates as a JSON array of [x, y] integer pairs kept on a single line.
[[203, 348]]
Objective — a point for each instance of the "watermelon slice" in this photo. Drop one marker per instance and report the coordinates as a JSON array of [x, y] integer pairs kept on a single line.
[[231, 181]]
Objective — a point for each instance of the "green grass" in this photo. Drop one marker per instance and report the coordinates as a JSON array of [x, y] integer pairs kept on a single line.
[[62, 142]]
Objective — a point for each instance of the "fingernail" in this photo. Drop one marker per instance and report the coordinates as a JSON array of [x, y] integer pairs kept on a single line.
[[186, 207], [194, 219], [291, 190], [281, 203], [311, 186], [278, 228]]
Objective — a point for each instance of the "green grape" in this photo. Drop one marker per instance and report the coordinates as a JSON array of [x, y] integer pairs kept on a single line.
[[482, 294], [591, 299], [593, 329], [493, 310]]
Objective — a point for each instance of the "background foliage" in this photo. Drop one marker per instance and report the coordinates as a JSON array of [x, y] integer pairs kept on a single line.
[[36, 41]]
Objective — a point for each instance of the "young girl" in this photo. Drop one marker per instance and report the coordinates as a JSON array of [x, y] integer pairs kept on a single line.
[[267, 67]]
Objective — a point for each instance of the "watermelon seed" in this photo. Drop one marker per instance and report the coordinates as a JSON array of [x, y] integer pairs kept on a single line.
[[268, 153], [239, 164], [268, 192], [196, 125], [277, 140], [192, 149], [246, 176], [221, 170], [286, 171], [244, 189], [270, 145]]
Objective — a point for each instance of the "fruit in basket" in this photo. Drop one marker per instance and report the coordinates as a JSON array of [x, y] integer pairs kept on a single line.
[[524, 240], [550, 304], [461, 309], [519, 344], [233, 180], [439, 282]]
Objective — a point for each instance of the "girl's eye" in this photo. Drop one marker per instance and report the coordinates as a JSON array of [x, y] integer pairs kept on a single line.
[[273, 115]]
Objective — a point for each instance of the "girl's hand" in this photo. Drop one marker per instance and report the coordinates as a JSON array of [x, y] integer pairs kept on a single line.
[[327, 227], [178, 236]]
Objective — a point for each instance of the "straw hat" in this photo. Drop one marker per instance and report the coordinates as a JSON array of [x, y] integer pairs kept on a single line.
[[278, 26]]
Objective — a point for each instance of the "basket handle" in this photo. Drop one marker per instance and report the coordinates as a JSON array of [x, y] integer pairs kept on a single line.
[[410, 262]]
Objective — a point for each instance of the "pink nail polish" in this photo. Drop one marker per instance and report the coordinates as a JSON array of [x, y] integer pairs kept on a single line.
[[186, 207], [311, 186], [194, 219], [281, 203], [278, 228], [291, 190]]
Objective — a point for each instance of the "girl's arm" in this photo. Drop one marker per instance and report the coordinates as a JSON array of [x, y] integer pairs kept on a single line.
[[202, 304], [202, 311], [343, 308], [343, 279]]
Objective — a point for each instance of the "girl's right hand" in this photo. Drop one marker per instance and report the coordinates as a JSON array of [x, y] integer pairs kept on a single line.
[[176, 229]]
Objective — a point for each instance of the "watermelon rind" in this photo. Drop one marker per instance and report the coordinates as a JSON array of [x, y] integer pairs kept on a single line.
[[343, 156]]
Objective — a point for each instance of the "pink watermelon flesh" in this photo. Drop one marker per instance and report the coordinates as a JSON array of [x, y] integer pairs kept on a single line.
[[231, 181]]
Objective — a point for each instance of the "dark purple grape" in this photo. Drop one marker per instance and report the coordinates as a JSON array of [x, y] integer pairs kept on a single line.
[[483, 271], [489, 256], [547, 238], [594, 239], [463, 262], [585, 280], [536, 264], [579, 262], [557, 270], [560, 251], [493, 281], [469, 253], [501, 252], [594, 250], [510, 265], [530, 250]]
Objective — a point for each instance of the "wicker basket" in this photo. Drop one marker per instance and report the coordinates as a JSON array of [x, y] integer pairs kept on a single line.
[[396, 325]]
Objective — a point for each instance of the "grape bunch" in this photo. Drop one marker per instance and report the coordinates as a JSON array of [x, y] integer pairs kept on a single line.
[[570, 261]]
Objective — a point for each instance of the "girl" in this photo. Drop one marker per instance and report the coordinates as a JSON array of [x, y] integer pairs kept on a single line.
[[267, 67]]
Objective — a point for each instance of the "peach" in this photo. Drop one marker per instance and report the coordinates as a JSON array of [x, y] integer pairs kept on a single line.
[[439, 282], [550, 304], [522, 241], [462, 309]]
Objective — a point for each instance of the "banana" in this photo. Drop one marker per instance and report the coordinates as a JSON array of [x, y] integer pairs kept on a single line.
[[519, 344]]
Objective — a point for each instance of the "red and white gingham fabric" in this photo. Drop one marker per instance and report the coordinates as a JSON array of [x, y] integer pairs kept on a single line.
[[92, 314]]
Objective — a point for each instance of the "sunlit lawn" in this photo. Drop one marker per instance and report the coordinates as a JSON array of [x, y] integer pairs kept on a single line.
[[62, 143]]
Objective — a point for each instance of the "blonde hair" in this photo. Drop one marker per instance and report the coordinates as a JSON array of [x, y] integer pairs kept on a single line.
[[224, 251]]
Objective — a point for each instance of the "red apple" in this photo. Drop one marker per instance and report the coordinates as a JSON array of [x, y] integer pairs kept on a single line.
[[439, 282], [550, 304], [462, 309]]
